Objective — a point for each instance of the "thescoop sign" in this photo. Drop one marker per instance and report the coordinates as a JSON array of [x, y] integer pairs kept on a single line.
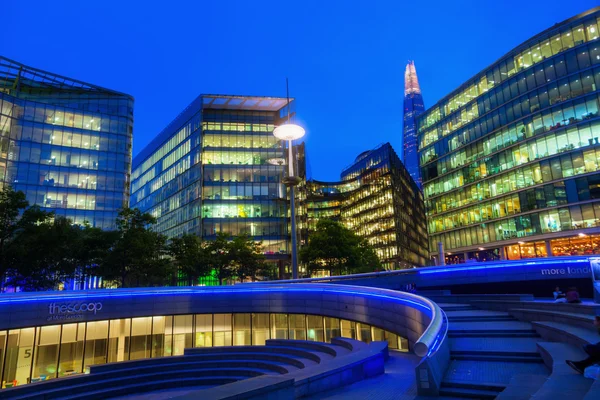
[[73, 308]]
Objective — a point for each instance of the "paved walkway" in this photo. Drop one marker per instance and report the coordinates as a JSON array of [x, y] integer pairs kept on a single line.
[[398, 383]]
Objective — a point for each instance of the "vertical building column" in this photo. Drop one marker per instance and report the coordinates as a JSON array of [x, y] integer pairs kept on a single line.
[[548, 248], [502, 251], [441, 256]]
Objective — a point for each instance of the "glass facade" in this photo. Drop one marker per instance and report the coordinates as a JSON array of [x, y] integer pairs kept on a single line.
[[510, 160], [413, 107], [379, 201], [211, 170], [66, 144], [36, 354]]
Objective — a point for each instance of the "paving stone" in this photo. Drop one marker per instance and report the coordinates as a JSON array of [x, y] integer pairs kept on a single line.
[[491, 371], [489, 325], [500, 345]]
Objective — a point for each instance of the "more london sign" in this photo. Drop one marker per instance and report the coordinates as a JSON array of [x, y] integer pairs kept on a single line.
[[70, 311]]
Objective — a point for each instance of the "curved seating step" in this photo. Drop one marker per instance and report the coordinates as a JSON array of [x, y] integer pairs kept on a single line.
[[522, 387], [330, 349], [563, 382], [548, 305], [147, 387], [295, 361], [345, 360], [528, 314], [140, 380], [566, 333], [364, 363], [289, 350]]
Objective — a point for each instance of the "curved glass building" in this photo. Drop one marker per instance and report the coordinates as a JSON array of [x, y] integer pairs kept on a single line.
[[378, 200], [511, 160], [66, 144]]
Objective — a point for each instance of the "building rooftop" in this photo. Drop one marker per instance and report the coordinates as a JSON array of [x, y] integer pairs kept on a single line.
[[233, 102], [14, 75]]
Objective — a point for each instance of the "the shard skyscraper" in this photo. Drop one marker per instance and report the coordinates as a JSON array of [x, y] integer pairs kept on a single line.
[[413, 106]]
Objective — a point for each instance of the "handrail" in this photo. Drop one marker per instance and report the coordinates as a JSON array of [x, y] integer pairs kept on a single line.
[[346, 277]]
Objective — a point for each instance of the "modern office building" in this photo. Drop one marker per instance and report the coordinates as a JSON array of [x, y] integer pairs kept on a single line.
[[66, 144], [218, 168], [377, 199], [413, 107], [510, 159]]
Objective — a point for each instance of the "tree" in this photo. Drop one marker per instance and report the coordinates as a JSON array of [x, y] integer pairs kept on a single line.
[[247, 257], [191, 255], [335, 248], [39, 256], [90, 247], [12, 203], [219, 257], [138, 256]]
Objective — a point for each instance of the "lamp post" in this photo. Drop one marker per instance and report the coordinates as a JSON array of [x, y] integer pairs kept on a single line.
[[290, 132]]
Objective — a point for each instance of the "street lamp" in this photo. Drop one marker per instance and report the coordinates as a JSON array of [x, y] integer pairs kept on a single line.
[[290, 132]]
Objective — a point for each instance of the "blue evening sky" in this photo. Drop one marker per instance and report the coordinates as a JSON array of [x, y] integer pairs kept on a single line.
[[345, 59]]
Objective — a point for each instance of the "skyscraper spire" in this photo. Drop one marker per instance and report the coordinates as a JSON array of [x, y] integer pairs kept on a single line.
[[413, 106], [411, 83]]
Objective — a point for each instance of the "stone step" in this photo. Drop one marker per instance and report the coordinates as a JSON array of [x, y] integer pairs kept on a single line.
[[505, 334], [500, 345], [468, 393], [495, 326], [493, 386], [480, 318], [497, 357], [522, 387]]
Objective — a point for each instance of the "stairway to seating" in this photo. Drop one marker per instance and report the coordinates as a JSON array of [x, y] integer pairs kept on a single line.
[[488, 351], [512, 347]]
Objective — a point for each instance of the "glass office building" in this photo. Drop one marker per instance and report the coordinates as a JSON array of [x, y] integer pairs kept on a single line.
[[214, 169], [377, 199], [66, 144], [413, 107], [510, 160]]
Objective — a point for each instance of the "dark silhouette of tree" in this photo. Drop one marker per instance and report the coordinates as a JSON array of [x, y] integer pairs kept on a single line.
[[138, 256], [191, 256]]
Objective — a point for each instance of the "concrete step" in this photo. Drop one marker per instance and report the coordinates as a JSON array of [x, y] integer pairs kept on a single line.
[[500, 345], [466, 393], [456, 307], [497, 357], [504, 334], [522, 387], [495, 326], [485, 318]]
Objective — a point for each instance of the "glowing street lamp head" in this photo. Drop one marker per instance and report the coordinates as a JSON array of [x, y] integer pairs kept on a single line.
[[289, 132], [276, 161]]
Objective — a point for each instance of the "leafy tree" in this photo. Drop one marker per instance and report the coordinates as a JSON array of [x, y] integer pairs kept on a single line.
[[138, 256], [335, 248], [247, 256], [191, 255], [220, 257], [90, 247], [12, 203], [39, 257]]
